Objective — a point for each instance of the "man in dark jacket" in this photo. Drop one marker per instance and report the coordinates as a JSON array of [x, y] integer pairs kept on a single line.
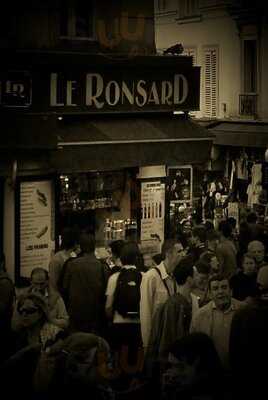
[[86, 283], [248, 344]]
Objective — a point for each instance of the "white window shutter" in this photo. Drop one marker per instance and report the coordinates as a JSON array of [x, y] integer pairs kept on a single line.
[[211, 83]]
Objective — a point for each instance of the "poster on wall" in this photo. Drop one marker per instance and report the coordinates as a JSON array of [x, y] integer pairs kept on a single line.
[[153, 213], [181, 184], [37, 221]]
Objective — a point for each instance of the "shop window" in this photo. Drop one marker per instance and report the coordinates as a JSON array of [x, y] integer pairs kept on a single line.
[[210, 82], [98, 202], [77, 19]]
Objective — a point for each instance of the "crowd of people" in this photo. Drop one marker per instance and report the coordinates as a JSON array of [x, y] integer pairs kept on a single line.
[[189, 323]]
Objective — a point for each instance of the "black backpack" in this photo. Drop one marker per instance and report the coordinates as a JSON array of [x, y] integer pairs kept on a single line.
[[127, 293]]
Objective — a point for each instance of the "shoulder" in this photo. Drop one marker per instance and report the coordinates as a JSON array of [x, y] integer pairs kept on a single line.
[[206, 309], [238, 304], [113, 278]]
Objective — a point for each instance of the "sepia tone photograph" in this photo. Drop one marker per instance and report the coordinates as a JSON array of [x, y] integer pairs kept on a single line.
[[134, 199]]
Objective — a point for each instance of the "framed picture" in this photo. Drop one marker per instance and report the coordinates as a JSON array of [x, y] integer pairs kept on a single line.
[[180, 180]]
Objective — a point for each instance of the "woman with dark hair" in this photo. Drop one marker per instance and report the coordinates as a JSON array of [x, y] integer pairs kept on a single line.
[[194, 369], [33, 326], [33, 338]]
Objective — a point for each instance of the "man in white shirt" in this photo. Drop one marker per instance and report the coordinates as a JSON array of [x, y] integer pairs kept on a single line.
[[158, 285], [215, 318]]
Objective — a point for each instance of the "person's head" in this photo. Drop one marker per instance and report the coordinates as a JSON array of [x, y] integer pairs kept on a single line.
[[84, 353], [220, 291], [172, 253], [232, 222], [187, 227], [213, 239], [39, 280], [249, 264], [262, 283], [257, 250], [32, 309], [198, 235], [116, 247], [211, 259], [201, 274], [184, 272], [69, 239], [252, 218], [148, 261], [226, 229], [130, 254], [87, 243], [194, 356]]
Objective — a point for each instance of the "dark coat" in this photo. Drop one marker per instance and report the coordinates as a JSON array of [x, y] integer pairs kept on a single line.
[[87, 284]]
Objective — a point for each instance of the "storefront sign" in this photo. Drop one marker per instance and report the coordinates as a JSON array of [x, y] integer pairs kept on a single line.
[[101, 92], [153, 211], [37, 238], [150, 87], [16, 89]]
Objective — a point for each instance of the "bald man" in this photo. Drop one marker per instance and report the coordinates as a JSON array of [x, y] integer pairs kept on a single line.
[[257, 250]]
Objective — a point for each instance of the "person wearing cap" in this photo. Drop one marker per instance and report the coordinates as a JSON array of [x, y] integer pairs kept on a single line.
[[248, 343]]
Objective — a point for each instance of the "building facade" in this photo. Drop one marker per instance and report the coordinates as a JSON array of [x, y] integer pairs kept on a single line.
[[228, 39], [89, 130]]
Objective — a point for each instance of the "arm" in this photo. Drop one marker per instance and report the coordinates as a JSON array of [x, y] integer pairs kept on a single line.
[[54, 271], [111, 285], [61, 319], [148, 287]]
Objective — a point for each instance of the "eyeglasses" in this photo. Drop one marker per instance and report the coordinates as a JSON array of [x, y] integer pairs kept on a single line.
[[27, 311]]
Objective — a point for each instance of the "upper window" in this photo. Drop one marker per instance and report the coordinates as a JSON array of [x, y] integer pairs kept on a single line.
[[210, 82], [165, 7], [188, 8], [250, 66], [77, 19]]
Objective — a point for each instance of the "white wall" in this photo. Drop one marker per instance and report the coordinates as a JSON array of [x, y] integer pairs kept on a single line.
[[216, 28]]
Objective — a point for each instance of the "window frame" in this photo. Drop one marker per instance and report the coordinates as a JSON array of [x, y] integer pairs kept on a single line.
[[71, 23]]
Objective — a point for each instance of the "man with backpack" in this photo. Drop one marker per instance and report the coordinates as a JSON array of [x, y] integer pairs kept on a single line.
[[122, 300]]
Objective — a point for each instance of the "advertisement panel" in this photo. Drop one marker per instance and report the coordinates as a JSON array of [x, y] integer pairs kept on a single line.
[[36, 225]]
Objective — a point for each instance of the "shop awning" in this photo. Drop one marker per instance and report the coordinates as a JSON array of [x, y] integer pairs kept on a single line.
[[22, 131], [109, 142], [246, 134]]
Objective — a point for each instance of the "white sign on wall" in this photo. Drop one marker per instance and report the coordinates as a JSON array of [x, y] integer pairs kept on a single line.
[[37, 219], [153, 210]]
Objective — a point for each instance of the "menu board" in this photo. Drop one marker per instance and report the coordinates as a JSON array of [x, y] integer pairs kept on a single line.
[[153, 210], [37, 221]]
